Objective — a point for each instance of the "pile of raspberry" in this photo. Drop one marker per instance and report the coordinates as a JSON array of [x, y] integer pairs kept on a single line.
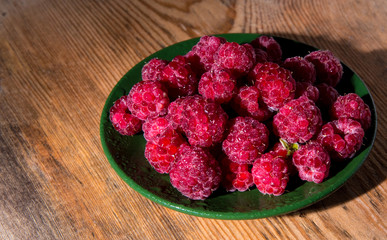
[[239, 116]]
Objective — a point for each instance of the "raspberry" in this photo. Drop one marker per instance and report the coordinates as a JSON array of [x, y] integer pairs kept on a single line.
[[235, 176], [153, 70], [275, 83], [328, 68], [260, 55], [218, 85], [161, 152], [327, 95], [179, 78], [308, 90], [342, 138], [155, 126], [235, 57], [175, 113], [270, 174], [247, 103], [352, 106], [196, 174], [302, 70], [205, 50], [124, 122], [270, 45], [148, 99], [312, 161], [297, 121], [203, 121], [246, 141], [285, 150]]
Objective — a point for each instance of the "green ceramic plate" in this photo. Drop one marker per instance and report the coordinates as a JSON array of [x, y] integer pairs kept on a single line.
[[126, 154]]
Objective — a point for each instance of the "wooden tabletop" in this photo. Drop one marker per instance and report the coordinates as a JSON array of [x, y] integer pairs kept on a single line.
[[59, 60]]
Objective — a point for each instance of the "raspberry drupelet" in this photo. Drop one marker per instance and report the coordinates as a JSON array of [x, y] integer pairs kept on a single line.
[[195, 173], [271, 174], [275, 83], [246, 140], [312, 162], [148, 99], [218, 85], [352, 106], [342, 138], [328, 68], [235, 177], [123, 121], [297, 121], [162, 150], [153, 70]]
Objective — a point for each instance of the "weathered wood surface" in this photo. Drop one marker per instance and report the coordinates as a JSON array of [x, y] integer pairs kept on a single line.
[[60, 59]]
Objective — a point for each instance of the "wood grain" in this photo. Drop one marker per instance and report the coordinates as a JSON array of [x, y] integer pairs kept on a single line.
[[59, 61]]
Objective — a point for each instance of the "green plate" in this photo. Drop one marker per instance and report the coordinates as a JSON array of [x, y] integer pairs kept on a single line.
[[126, 154]]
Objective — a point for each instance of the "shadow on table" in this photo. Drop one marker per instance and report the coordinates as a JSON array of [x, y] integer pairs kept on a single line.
[[371, 173]]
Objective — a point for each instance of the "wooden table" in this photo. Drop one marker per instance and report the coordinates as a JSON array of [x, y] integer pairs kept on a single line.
[[59, 60]]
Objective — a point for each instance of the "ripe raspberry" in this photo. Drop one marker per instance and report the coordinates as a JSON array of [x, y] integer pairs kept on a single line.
[[308, 90], [155, 126], [327, 95], [203, 121], [161, 152], [276, 84], [270, 174], [328, 68], [217, 85], [247, 139], [302, 70], [352, 106], [153, 70], [205, 50], [312, 161], [196, 174], [342, 138], [175, 113], [247, 103], [260, 55], [235, 57], [285, 150], [298, 121], [179, 78], [148, 99], [124, 122], [235, 177], [270, 45]]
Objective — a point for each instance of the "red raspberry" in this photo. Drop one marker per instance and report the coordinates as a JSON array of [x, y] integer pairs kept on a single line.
[[205, 50], [175, 113], [148, 99], [235, 57], [285, 150], [270, 174], [328, 68], [155, 126], [308, 90], [302, 70], [247, 139], [179, 78], [352, 106], [235, 177], [203, 121], [298, 121], [247, 103], [153, 70], [312, 161], [270, 45], [342, 138], [327, 95], [260, 55], [161, 152], [217, 85], [276, 84], [196, 173], [124, 122]]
